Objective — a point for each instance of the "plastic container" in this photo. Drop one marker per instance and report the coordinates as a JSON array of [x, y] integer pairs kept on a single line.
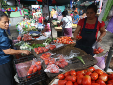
[[32, 78]]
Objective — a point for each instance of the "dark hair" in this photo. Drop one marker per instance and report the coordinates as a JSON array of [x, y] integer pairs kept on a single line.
[[64, 13], [92, 6], [2, 14], [46, 21], [75, 12]]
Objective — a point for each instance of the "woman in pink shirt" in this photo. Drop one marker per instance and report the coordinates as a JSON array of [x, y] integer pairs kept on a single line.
[[40, 20]]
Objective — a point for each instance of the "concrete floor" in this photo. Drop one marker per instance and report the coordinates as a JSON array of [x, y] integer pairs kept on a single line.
[[106, 41]]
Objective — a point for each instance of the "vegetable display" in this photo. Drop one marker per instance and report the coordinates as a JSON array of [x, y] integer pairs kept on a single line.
[[64, 40], [96, 77]]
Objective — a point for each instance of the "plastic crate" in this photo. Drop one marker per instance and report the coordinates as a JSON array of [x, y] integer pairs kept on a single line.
[[32, 78]]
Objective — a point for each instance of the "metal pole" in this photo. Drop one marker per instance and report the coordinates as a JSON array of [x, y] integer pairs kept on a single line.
[[109, 58], [50, 19]]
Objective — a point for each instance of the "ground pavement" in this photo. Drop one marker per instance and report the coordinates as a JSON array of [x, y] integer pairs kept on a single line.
[[106, 41]]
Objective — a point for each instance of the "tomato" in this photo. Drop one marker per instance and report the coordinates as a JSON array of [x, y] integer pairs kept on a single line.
[[100, 72], [73, 73], [41, 51], [39, 67], [54, 71], [103, 77], [61, 65], [45, 50], [96, 52], [75, 83], [57, 63], [95, 84], [46, 62], [79, 79], [71, 78], [86, 80], [94, 76], [65, 63], [62, 82], [88, 73], [109, 84], [101, 50], [85, 71], [101, 82], [30, 70], [35, 69], [62, 60], [61, 76], [38, 63], [51, 48], [69, 83], [110, 76], [67, 73], [91, 69], [80, 72], [110, 81], [28, 74], [37, 52]]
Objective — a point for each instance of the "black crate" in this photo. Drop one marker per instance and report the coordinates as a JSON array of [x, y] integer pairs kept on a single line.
[[32, 78]]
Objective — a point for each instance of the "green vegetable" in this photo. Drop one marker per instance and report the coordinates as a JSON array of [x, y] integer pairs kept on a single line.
[[48, 40], [80, 58], [37, 45]]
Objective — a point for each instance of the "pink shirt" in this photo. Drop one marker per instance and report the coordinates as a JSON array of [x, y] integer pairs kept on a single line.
[[47, 27]]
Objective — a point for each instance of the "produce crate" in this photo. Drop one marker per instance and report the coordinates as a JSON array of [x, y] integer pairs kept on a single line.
[[32, 78]]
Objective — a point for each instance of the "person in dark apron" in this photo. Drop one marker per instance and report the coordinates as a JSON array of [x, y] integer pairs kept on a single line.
[[88, 28], [88, 38]]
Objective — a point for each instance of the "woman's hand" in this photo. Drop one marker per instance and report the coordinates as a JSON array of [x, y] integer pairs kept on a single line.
[[26, 52], [99, 39]]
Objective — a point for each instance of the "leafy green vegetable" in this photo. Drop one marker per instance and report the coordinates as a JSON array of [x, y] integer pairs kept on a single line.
[[80, 58], [37, 45]]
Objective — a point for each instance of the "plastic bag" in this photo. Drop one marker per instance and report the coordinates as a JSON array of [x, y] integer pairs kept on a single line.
[[97, 48], [101, 61], [73, 53], [53, 69], [62, 61], [111, 12], [36, 66]]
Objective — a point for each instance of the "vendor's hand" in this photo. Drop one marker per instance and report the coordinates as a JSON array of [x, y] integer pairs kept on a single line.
[[26, 52], [99, 39]]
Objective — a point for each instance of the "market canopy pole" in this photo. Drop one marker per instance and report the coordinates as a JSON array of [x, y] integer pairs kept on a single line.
[[50, 19]]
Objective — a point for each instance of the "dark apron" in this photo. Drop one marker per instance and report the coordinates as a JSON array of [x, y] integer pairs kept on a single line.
[[88, 39]]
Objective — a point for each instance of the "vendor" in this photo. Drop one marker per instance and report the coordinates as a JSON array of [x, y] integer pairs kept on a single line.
[[66, 23], [75, 18], [6, 52], [88, 28], [47, 30]]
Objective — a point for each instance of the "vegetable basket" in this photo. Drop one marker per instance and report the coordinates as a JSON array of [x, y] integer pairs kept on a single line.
[[27, 79]]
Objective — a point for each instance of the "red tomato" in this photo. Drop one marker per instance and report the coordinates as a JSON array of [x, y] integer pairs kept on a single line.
[[37, 52], [100, 72], [30, 70], [110, 76], [61, 76], [85, 71], [86, 80], [69, 83], [94, 76], [88, 73], [95, 84], [39, 67], [94, 50], [75, 83], [46, 62], [62, 82], [91, 69], [67, 74], [28, 75], [79, 79], [51, 48], [57, 63], [35, 69], [71, 78], [38, 63], [109, 84], [73, 73], [101, 50], [80, 72], [61, 65], [41, 51], [103, 77], [110, 81], [101, 82]]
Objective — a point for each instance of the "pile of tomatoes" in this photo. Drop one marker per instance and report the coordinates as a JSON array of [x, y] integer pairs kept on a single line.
[[97, 51], [34, 68], [64, 40], [90, 76], [78, 37], [26, 37], [44, 49]]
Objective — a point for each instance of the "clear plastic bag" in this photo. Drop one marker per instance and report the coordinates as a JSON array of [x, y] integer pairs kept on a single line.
[[73, 53], [97, 48], [53, 69], [101, 61]]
